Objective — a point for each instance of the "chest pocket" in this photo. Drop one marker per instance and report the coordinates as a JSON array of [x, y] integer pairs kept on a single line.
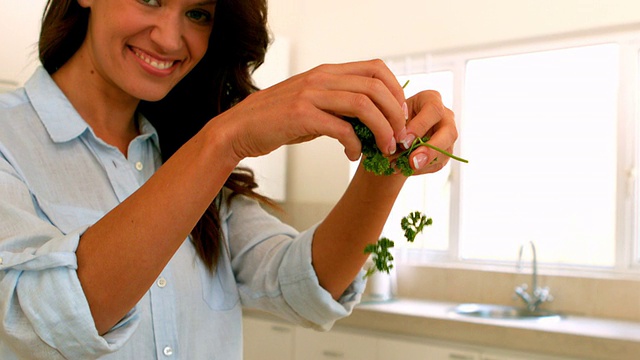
[[219, 290]]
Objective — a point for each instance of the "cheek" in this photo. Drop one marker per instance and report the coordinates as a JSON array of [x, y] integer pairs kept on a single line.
[[201, 48], [199, 43]]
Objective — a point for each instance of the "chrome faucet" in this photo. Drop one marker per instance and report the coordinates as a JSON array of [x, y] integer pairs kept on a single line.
[[539, 295]]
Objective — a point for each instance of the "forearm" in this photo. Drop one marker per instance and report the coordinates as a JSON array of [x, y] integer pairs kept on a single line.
[[121, 255], [355, 221]]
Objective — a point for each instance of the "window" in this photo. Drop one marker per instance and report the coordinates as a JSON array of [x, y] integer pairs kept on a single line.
[[541, 129], [550, 131]]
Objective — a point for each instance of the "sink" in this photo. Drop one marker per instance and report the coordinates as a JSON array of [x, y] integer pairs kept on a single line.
[[489, 311]]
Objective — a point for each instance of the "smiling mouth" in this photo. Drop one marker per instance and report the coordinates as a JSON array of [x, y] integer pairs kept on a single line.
[[153, 62]]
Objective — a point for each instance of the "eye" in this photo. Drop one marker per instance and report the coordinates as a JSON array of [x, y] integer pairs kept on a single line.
[[150, 2], [200, 16]]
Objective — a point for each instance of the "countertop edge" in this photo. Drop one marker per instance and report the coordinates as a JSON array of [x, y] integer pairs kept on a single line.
[[574, 337]]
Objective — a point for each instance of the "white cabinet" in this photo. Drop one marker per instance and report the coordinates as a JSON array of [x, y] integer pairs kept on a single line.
[[314, 345], [274, 340], [503, 357], [266, 340], [407, 350]]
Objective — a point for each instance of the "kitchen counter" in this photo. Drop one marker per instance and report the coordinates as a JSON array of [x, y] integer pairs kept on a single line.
[[573, 336]]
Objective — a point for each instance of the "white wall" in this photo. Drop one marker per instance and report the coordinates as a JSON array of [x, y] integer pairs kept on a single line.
[[338, 30], [20, 27]]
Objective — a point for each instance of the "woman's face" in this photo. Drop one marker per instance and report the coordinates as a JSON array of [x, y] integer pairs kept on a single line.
[[145, 47]]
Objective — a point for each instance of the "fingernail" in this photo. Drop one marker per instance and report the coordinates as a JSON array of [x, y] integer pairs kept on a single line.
[[408, 141], [405, 110], [419, 161], [393, 146]]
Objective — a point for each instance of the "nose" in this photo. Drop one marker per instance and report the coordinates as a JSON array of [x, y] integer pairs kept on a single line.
[[168, 31]]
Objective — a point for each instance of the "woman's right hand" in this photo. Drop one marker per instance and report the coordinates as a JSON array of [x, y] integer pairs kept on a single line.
[[313, 104]]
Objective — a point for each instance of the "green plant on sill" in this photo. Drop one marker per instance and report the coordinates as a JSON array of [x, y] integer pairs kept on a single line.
[[412, 224]]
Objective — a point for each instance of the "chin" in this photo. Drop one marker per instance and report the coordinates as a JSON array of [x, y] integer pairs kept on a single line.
[[150, 94]]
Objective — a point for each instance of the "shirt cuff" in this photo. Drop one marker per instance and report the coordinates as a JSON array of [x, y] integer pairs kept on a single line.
[[52, 300], [302, 291]]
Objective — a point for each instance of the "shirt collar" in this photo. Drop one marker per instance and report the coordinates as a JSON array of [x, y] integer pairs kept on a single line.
[[60, 118], [148, 131]]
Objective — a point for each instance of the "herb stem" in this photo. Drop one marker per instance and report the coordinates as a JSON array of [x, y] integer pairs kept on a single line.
[[420, 142]]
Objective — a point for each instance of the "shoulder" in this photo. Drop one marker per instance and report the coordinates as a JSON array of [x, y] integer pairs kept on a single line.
[[13, 104], [18, 118], [12, 99]]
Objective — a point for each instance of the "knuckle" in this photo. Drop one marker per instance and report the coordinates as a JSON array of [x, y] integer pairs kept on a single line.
[[314, 78], [299, 108], [377, 63], [360, 102], [375, 85], [434, 93], [454, 134], [344, 130]]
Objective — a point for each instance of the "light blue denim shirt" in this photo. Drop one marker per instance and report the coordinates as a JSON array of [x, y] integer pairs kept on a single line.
[[57, 178]]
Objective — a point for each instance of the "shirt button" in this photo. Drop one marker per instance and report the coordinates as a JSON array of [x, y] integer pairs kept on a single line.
[[168, 351], [162, 282], [139, 166]]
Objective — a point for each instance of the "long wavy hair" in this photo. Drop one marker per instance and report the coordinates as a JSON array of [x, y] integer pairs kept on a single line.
[[237, 46]]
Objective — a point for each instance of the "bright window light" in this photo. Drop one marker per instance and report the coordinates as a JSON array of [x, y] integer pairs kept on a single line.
[[539, 130]]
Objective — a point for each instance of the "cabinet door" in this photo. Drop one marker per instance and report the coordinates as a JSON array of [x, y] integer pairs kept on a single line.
[[334, 345], [406, 350], [508, 355], [503, 357], [266, 340]]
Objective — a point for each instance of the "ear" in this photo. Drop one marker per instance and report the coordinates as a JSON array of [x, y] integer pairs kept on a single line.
[[85, 3]]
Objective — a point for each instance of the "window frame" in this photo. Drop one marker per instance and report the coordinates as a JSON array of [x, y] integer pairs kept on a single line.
[[627, 237]]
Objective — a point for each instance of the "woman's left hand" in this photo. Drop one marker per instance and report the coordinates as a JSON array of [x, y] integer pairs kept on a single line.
[[429, 117]]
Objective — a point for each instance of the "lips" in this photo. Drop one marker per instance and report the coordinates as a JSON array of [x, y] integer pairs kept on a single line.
[[152, 61]]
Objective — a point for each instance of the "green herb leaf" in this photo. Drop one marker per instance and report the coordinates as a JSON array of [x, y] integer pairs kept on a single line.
[[412, 224]]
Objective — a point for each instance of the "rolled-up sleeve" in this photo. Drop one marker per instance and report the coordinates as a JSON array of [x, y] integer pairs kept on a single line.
[[272, 263], [301, 288], [44, 312]]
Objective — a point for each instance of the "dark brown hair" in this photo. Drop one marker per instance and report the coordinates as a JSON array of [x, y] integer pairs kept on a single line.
[[237, 46]]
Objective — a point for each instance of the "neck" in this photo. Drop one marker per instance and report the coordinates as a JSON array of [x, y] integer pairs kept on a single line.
[[108, 110]]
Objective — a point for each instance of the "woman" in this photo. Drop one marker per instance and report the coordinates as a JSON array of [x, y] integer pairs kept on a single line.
[[110, 250]]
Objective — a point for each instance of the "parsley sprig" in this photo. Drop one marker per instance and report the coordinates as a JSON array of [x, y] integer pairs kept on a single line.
[[376, 162], [412, 224]]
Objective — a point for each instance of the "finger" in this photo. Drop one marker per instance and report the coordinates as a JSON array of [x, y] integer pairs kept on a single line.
[[333, 79], [371, 68], [379, 94], [359, 106], [317, 123], [425, 159], [426, 110]]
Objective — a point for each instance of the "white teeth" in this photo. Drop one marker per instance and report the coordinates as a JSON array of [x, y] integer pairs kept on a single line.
[[160, 65]]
